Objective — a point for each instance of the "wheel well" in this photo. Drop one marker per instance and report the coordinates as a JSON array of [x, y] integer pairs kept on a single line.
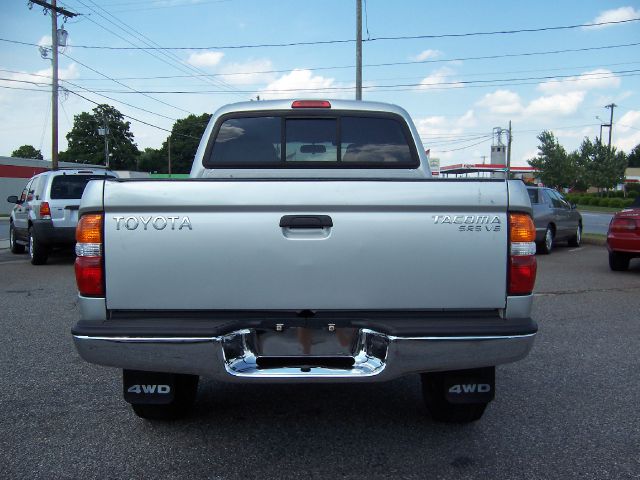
[[553, 227]]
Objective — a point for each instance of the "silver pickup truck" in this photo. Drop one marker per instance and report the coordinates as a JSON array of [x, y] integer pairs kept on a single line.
[[309, 245]]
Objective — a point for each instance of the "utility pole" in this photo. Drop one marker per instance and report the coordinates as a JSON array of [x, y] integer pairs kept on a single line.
[[611, 106], [54, 87], [54, 10], [600, 137], [509, 153], [106, 141], [169, 157], [358, 49]]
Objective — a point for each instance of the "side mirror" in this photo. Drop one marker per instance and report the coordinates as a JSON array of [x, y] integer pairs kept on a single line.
[[573, 206], [12, 199]]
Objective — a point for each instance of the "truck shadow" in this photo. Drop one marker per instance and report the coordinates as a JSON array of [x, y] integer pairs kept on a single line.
[[331, 430]]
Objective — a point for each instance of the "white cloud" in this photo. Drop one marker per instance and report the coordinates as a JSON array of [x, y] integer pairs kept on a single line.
[[575, 134], [628, 128], [45, 41], [300, 79], [205, 59], [439, 77], [441, 133], [467, 120], [502, 102], [628, 121], [247, 72], [560, 104], [614, 15], [599, 78], [427, 54]]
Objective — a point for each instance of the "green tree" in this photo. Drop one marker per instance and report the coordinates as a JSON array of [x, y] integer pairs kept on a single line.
[[27, 151], [557, 168], [185, 138], [86, 145], [151, 160], [601, 167], [634, 157]]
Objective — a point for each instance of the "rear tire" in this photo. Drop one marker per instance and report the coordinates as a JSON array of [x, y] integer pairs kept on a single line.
[[618, 262], [15, 248], [185, 391], [37, 251], [577, 238], [546, 245], [440, 408]]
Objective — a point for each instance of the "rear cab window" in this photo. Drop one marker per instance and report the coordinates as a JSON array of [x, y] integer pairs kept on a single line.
[[328, 140], [71, 187]]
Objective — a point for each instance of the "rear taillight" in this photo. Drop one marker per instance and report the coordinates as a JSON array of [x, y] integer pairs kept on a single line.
[[623, 225], [522, 251], [89, 265], [45, 211]]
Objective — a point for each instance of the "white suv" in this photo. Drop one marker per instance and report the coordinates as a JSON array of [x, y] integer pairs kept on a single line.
[[46, 213]]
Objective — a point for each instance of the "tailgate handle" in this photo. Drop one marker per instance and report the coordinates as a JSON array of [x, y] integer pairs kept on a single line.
[[72, 207], [306, 221]]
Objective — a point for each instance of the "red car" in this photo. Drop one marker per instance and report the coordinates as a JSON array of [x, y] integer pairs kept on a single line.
[[623, 237]]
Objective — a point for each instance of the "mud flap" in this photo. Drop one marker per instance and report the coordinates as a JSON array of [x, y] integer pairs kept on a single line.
[[470, 386], [148, 388]]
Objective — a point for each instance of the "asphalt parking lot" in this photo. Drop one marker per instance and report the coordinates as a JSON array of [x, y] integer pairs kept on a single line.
[[570, 410]]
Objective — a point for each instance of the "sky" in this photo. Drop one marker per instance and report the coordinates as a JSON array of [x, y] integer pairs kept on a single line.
[[557, 79]]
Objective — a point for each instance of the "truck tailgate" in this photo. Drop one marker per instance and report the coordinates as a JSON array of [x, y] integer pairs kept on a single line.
[[185, 245]]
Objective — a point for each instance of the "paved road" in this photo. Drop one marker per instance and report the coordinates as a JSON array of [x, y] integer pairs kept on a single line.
[[593, 222], [570, 410]]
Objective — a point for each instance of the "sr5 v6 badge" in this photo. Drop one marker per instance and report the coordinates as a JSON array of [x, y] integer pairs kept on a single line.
[[470, 223]]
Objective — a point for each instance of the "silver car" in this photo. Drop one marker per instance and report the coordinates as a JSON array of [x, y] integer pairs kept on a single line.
[[46, 212], [555, 219]]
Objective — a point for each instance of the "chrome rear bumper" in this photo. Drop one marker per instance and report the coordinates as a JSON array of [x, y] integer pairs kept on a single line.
[[236, 357]]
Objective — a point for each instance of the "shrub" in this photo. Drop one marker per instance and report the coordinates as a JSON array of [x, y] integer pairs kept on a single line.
[[627, 202], [632, 193], [616, 202], [603, 202]]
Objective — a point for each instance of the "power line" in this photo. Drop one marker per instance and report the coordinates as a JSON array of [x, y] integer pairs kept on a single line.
[[119, 101], [369, 65], [134, 118], [462, 148], [339, 41], [390, 87], [158, 7], [439, 85], [378, 79], [479, 134], [124, 85], [140, 37], [441, 143]]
